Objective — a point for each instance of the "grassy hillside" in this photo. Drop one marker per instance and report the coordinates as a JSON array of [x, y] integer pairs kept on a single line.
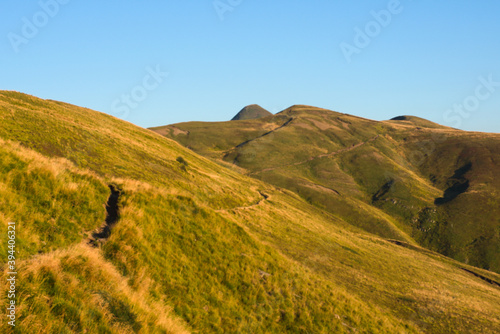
[[199, 247], [394, 178]]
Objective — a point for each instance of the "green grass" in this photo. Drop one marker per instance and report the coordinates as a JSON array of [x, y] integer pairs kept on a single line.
[[199, 249], [342, 163], [53, 203]]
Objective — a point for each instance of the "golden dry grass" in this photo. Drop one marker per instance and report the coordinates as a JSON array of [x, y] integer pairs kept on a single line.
[[198, 249]]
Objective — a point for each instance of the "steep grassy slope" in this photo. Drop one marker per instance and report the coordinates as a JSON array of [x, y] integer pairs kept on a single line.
[[395, 178], [64, 285], [198, 247]]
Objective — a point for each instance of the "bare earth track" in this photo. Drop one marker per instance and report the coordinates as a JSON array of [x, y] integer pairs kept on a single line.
[[112, 216], [264, 197]]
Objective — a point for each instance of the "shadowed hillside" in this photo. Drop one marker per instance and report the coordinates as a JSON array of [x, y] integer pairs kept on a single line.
[[193, 246], [252, 111], [407, 179], [417, 121]]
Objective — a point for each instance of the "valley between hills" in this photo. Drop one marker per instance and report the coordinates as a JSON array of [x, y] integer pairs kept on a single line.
[[307, 221]]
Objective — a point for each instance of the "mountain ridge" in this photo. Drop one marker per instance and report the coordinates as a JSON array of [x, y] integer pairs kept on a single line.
[[357, 158], [199, 247]]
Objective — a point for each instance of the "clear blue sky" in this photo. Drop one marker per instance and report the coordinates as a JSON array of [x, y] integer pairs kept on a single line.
[[422, 59]]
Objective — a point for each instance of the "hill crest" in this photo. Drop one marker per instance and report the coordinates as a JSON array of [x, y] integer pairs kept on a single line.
[[416, 121], [252, 111]]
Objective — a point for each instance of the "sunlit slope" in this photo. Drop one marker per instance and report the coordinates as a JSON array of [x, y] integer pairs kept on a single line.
[[388, 178], [198, 247], [64, 285]]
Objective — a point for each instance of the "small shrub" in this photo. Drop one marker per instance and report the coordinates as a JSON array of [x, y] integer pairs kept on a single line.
[[183, 162]]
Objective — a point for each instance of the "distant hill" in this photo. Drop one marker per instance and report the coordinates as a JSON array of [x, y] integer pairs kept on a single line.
[[252, 111], [406, 179], [121, 230], [417, 121]]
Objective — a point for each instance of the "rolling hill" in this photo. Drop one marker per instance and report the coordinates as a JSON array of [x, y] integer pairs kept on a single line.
[[408, 178], [121, 230], [252, 111]]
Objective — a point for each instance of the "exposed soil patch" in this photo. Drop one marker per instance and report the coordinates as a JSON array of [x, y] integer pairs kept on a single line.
[[112, 216], [177, 131], [264, 196]]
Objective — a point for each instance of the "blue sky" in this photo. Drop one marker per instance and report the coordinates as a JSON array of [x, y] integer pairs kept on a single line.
[[375, 59]]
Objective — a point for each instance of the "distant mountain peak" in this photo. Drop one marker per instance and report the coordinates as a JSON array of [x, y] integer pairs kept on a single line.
[[400, 118], [417, 121], [252, 111]]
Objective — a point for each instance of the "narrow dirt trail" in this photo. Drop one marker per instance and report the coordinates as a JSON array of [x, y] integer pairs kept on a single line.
[[226, 153], [344, 150], [263, 198], [265, 134], [484, 278], [112, 216]]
